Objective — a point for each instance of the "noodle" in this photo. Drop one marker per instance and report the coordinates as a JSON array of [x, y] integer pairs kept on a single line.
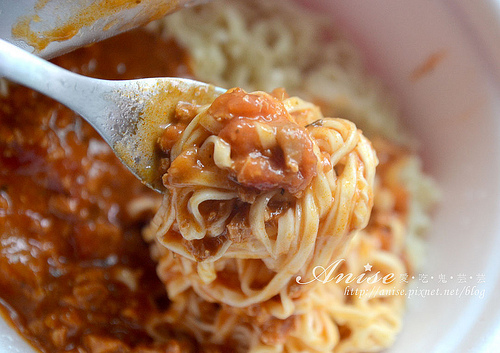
[[261, 45], [317, 317], [243, 244], [232, 257]]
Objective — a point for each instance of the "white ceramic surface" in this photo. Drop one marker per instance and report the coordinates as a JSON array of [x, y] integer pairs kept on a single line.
[[52, 14], [455, 112]]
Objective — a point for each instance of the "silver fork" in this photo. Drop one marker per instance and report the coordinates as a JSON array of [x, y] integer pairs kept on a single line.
[[116, 109]]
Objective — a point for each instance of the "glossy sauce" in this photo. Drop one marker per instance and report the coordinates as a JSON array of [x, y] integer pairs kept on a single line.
[[86, 16], [269, 149], [285, 159], [75, 274]]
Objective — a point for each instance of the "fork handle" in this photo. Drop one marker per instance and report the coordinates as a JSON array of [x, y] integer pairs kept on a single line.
[[79, 93]]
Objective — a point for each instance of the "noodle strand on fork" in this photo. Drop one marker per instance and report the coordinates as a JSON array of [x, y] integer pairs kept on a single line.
[[258, 238], [267, 44]]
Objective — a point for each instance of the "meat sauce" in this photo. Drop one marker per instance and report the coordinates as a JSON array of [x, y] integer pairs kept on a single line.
[[268, 148], [75, 274], [286, 161]]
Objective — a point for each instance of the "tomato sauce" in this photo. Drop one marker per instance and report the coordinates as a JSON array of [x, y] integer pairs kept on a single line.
[[75, 274], [269, 150]]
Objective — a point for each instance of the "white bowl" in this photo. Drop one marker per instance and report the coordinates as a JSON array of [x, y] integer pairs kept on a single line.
[[454, 110]]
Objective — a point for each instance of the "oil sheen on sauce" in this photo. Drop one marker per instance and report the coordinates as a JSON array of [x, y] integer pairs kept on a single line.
[[41, 27], [75, 274]]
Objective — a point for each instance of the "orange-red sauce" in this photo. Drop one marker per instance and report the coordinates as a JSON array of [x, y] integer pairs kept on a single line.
[[289, 164], [428, 65], [87, 16], [75, 275], [268, 150], [283, 160]]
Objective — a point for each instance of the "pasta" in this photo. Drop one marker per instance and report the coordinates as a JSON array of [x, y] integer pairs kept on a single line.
[[242, 227], [288, 224], [235, 260], [243, 238]]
